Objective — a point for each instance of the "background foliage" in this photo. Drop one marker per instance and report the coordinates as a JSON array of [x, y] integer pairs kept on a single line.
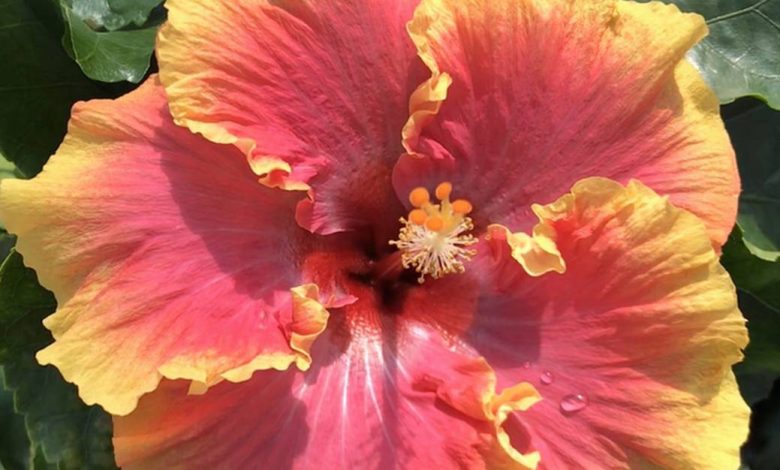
[[57, 52]]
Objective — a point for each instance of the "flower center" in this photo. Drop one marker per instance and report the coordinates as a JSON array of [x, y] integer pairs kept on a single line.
[[433, 239]]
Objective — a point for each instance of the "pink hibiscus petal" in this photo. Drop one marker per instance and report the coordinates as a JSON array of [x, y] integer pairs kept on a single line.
[[631, 348], [413, 402], [166, 256], [314, 92], [547, 92]]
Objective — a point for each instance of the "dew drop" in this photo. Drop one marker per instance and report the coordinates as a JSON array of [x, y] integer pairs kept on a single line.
[[574, 403], [526, 365], [546, 377]]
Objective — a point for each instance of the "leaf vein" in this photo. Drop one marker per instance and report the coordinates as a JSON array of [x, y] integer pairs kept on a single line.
[[736, 13], [767, 19], [16, 25]]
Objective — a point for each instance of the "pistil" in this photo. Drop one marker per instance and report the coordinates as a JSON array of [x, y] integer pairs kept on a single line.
[[434, 238]]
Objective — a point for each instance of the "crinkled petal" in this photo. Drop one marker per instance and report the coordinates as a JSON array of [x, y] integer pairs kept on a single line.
[[546, 92], [314, 92], [631, 347], [165, 255], [537, 253], [412, 403]]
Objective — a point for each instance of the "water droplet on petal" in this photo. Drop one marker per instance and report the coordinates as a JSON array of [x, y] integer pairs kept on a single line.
[[546, 377], [526, 365], [571, 404]]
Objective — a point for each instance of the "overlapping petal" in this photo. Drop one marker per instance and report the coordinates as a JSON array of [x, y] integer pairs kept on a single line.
[[631, 348], [173, 266], [166, 256], [544, 93], [415, 402], [315, 92]]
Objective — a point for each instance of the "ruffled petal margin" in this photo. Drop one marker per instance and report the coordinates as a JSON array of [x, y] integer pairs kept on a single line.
[[417, 403], [166, 257], [313, 92], [546, 92], [632, 346]]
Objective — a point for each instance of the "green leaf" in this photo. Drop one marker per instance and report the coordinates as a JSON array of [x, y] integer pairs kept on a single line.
[[8, 169], [762, 450], [15, 449], [761, 366], [759, 300], [741, 55], [38, 85], [108, 56], [114, 14], [69, 433], [751, 274], [755, 133], [23, 305], [39, 461], [7, 241]]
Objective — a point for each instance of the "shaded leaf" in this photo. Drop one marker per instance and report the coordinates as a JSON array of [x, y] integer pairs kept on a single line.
[[7, 241], [741, 55], [15, 449], [755, 133], [761, 365], [69, 433], [39, 461], [751, 274], [7, 170], [762, 450], [23, 305], [38, 85]]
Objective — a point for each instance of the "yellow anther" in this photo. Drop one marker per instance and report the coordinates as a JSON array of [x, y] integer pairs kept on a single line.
[[462, 206], [417, 216], [434, 224], [443, 190], [435, 238], [419, 197]]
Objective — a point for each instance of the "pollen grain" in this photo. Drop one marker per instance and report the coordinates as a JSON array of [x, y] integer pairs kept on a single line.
[[434, 240]]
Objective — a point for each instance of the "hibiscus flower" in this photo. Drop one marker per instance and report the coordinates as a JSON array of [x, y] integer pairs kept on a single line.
[[552, 296]]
